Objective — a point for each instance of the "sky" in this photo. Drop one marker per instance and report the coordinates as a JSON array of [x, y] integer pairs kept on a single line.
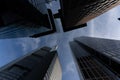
[[105, 26]]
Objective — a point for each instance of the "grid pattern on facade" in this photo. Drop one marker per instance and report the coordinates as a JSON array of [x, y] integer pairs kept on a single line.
[[85, 10], [95, 9], [92, 70], [105, 46], [107, 51]]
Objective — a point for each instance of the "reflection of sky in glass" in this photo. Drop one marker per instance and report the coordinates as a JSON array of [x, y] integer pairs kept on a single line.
[[22, 30], [105, 25]]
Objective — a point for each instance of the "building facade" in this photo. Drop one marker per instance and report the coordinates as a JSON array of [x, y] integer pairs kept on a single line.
[[25, 18], [97, 58], [78, 12], [39, 65]]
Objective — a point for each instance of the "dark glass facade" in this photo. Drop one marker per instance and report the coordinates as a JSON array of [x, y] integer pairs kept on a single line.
[[91, 52], [25, 18]]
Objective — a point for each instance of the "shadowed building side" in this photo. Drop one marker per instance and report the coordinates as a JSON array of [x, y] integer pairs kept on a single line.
[[38, 65], [23, 18], [77, 12], [24, 9], [97, 58]]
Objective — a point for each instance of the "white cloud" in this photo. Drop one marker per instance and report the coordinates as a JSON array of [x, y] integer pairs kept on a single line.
[[28, 44], [70, 67]]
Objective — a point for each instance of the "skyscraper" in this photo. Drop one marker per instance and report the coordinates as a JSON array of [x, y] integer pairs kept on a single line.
[[97, 56], [39, 65], [25, 18], [78, 12], [31, 18]]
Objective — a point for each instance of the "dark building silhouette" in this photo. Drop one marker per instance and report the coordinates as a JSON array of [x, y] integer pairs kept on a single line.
[[31, 18], [25, 18], [78, 12], [98, 58], [22, 8], [40, 65]]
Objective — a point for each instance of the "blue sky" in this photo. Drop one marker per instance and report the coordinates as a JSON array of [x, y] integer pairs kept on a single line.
[[106, 26]]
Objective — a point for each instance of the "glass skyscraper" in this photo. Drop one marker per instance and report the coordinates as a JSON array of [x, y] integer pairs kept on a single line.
[[25, 18], [97, 57]]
